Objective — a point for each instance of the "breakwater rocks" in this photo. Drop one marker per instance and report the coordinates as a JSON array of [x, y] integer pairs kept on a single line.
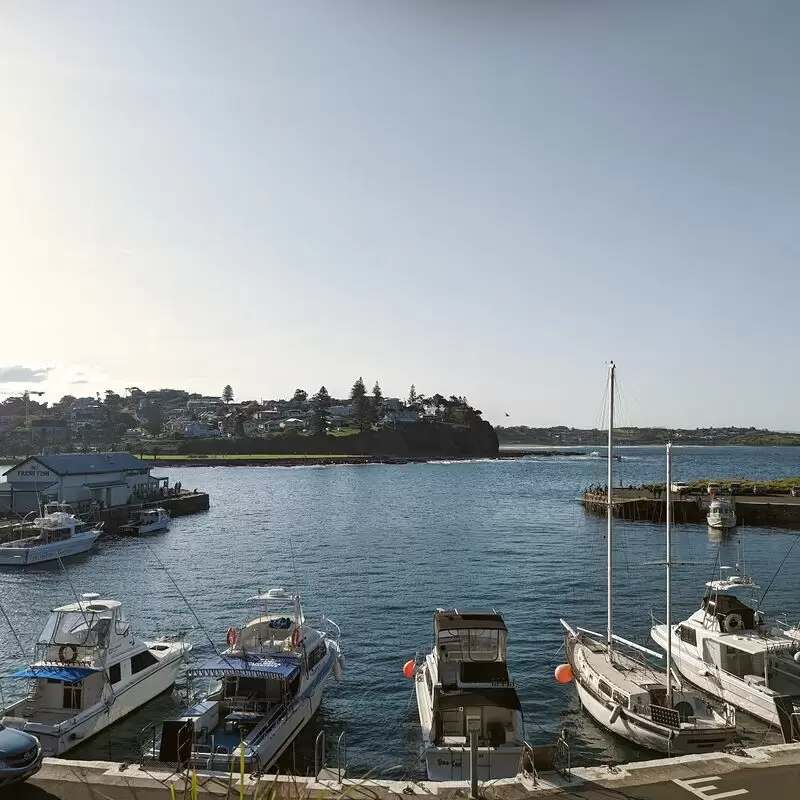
[[639, 504]]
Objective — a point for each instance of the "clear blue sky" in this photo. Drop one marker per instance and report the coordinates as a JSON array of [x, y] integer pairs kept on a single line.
[[489, 199]]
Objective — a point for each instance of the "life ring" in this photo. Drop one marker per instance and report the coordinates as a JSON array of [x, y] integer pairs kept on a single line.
[[231, 636], [67, 653], [733, 623], [296, 638]]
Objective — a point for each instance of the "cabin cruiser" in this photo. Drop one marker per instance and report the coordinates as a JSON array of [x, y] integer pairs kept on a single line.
[[265, 686], [721, 514], [466, 676], [732, 651], [147, 521], [89, 672], [59, 533]]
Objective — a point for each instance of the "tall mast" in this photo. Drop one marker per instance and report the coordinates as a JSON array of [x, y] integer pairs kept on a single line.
[[669, 574], [610, 508]]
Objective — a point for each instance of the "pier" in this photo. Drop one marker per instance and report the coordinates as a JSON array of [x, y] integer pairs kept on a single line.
[[642, 504], [758, 772]]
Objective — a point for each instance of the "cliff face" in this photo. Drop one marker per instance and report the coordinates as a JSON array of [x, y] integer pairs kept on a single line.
[[434, 439]]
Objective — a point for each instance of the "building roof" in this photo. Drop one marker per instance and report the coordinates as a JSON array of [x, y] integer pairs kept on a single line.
[[86, 463]]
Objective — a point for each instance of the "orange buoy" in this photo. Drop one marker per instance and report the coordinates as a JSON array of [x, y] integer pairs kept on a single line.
[[409, 667], [564, 673]]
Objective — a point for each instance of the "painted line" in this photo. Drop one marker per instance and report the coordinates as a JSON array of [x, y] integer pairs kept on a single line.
[[692, 786]]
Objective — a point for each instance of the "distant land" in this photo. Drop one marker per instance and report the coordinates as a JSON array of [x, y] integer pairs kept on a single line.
[[561, 435]]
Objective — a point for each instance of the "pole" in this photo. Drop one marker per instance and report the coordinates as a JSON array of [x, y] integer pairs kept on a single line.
[[669, 574], [473, 764], [610, 510]]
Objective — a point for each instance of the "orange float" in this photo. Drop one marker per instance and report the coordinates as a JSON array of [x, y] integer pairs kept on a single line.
[[409, 667], [564, 673]]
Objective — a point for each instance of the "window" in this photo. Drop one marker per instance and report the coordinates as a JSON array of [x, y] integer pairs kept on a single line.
[[115, 674], [688, 635], [604, 688], [73, 695], [316, 655], [142, 661]]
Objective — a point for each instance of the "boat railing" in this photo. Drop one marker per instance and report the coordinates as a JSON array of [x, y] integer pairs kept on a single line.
[[319, 753], [562, 760], [527, 763]]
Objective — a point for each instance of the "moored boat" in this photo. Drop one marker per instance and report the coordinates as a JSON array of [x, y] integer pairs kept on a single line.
[[89, 672], [721, 514], [146, 521]]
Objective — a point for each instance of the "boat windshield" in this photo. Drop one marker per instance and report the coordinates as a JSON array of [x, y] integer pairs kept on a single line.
[[89, 628], [474, 644]]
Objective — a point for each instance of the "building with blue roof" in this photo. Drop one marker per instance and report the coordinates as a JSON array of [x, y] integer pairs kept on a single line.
[[83, 480]]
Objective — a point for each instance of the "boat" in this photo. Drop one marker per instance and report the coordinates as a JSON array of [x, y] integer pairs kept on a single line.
[[89, 672], [59, 533], [466, 675], [146, 521], [721, 514], [622, 691], [732, 651], [264, 688]]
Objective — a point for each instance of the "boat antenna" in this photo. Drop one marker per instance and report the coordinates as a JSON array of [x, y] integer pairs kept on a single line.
[[788, 553], [610, 511], [183, 597]]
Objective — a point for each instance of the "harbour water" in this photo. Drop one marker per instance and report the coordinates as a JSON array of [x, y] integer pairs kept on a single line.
[[377, 548]]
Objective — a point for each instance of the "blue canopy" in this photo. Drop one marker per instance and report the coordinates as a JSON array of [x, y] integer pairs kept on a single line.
[[249, 666], [68, 674]]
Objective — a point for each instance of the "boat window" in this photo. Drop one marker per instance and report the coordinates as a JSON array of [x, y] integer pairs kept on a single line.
[[142, 661], [73, 695], [121, 625], [688, 635], [620, 698], [316, 655], [88, 628], [484, 645], [115, 674], [604, 688]]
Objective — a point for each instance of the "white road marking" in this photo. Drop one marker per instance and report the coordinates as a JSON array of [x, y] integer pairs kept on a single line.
[[703, 791]]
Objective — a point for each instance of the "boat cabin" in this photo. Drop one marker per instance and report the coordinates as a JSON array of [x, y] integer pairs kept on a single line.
[[277, 626]]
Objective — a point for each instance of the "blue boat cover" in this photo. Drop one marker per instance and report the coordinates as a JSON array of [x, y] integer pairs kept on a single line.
[[67, 674], [249, 666]]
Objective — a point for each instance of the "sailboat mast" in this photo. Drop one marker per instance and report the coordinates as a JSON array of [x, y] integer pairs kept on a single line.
[[669, 574], [610, 509]]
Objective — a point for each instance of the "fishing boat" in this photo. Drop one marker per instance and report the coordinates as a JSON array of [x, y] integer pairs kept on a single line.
[[721, 514], [89, 672], [59, 533], [146, 521], [264, 688], [623, 691], [466, 676], [732, 651]]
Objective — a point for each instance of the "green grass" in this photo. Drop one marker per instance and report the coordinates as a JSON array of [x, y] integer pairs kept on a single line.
[[249, 456], [774, 484]]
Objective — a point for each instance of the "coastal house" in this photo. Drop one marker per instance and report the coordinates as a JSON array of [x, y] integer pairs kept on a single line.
[[80, 479], [196, 430]]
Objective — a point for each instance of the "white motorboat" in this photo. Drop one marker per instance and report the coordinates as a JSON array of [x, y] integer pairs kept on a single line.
[[721, 514], [147, 521], [266, 686], [466, 676], [59, 533], [625, 693], [89, 672], [733, 652]]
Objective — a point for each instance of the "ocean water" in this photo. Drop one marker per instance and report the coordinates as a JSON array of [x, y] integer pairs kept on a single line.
[[377, 548]]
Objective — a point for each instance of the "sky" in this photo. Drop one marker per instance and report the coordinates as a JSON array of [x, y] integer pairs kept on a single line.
[[489, 199]]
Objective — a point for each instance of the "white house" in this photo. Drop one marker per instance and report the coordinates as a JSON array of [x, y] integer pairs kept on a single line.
[[80, 479]]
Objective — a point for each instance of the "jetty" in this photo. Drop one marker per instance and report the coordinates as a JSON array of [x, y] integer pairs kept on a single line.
[[649, 504]]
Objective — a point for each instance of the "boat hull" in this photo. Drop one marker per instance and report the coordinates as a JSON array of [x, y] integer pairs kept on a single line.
[[721, 522], [144, 530], [718, 683], [38, 554], [452, 763], [59, 739]]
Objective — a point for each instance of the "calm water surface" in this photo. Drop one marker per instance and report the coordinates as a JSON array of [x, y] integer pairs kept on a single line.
[[378, 548]]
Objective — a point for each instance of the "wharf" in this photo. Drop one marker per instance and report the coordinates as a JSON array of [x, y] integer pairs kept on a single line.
[[759, 772], [639, 504]]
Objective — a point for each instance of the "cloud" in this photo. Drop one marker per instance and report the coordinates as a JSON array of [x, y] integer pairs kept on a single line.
[[20, 374], [80, 380]]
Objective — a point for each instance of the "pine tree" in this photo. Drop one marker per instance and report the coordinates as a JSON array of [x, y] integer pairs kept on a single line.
[[360, 404], [320, 403], [377, 402], [299, 397], [227, 394]]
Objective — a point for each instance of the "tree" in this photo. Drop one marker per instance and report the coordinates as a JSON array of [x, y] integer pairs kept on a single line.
[[412, 395], [360, 404], [153, 418], [227, 394], [437, 401], [377, 402], [320, 403], [113, 401], [299, 397]]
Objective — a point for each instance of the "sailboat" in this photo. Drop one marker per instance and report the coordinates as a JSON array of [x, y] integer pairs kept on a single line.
[[622, 691]]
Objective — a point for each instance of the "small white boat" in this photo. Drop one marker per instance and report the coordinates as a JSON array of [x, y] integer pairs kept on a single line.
[[89, 672], [721, 514], [265, 687], [466, 676], [147, 521], [59, 533]]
